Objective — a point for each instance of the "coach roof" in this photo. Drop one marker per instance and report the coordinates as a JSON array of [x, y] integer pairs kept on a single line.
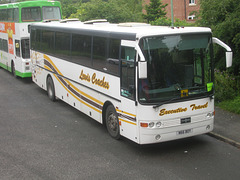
[[126, 31]]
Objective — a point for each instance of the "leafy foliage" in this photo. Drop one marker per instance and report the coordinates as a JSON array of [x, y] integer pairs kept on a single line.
[[227, 86], [222, 16], [69, 7], [113, 10], [155, 10], [167, 22], [4, 1]]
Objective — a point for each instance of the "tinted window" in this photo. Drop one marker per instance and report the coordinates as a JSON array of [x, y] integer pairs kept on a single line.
[[3, 15], [47, 44], [10, 15], [112, 63], [5, 45], [17, 47], [31, 14], [81, 49], [51, 13], [16, 15], [25, 48], [33, 38], [62, 45], [38, 39], [0, 44], [99, 53], [127, 72]]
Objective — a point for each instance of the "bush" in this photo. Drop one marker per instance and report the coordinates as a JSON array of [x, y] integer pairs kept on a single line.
[[231, 105], [226, 86], [167, 22], [161, 22]]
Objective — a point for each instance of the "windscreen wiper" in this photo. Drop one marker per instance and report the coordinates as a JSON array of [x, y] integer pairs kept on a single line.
[[165, 102]]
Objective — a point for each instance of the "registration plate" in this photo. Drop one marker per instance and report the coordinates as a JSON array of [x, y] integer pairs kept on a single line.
[[186, 131]]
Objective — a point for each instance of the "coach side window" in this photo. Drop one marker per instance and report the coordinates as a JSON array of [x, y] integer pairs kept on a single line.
[[62, 45], [112, 62], [81, 50], [33, 38], [106, 55], [99, 53], [47, 44]]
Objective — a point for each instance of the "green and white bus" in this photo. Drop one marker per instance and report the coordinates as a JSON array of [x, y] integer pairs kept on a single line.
[[147, 83], [14, 37]]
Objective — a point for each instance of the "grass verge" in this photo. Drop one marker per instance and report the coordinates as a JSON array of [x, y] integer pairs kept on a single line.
[[231, 105]]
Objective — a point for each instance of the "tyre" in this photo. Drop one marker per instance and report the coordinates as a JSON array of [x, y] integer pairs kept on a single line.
[[51, 89], [112, 122]]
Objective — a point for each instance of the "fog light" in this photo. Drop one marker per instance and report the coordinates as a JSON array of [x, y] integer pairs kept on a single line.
[[208, 127], [151, 124], [157, 137], [209, 115], [158, 124]]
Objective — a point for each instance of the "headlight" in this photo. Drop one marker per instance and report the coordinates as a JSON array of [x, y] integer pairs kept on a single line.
[[151, 124], [158, 124]]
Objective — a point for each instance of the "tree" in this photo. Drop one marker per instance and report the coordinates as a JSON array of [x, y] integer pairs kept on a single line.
[[69, 7], [114, 11], [4, 1], [222, 16], [155, 10]]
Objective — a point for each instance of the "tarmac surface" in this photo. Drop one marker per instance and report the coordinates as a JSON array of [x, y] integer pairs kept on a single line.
[[226, 127]]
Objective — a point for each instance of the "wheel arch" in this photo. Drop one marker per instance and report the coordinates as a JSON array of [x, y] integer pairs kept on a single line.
[[106, 104], [13, 68], [12, 64], [48, 75]]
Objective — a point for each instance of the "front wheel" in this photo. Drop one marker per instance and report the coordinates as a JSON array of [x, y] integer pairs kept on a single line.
[[51, 89], [112, 122]]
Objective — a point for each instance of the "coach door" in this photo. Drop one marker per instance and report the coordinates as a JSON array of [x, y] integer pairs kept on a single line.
[[128, 89]]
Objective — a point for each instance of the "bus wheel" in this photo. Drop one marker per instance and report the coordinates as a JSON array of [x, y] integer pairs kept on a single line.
[[50, 89], [13, 69], [112, 122]]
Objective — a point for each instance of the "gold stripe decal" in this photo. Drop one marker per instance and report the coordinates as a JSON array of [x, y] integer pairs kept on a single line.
[[81, 96], [70, 88], [127, 121]]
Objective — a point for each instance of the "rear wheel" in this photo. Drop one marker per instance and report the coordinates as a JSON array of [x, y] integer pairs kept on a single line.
[[112, 122], [50, 89]]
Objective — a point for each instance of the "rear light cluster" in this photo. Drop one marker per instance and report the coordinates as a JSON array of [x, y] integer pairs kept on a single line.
[[27, 66], [151, 124]]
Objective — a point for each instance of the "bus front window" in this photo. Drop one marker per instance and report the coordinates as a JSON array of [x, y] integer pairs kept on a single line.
[[179, 66], [31, 14], [51, 13]]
